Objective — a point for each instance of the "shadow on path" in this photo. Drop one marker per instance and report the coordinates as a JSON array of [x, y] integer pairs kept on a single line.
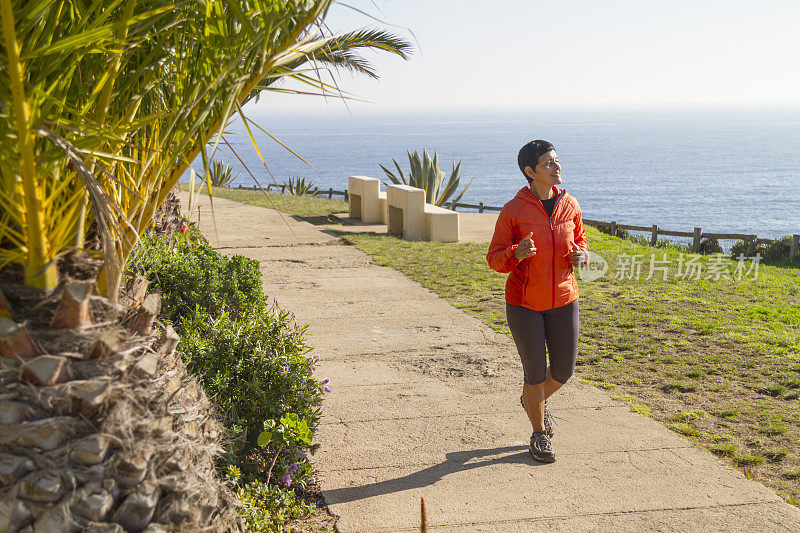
[[454, 462]]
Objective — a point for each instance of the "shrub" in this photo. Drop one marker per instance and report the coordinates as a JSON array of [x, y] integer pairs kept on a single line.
[[190, 274], [253, 361], [775, 253], [256, 368]]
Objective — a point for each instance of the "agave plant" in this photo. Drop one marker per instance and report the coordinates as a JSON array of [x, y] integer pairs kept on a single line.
[[219, 174], [297, 186], [105, 104], [425, 174]]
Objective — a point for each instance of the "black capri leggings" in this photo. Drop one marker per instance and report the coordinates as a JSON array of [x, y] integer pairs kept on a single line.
[[557, 328]]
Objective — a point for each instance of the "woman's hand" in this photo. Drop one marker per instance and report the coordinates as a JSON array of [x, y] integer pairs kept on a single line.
[[525, 248], [577, 257]]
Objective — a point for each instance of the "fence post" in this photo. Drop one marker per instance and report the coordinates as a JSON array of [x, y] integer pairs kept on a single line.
[[752, 244], [795, 246], [346, 195], [654, 235], [698, 232], [613, 228], [480, 207]]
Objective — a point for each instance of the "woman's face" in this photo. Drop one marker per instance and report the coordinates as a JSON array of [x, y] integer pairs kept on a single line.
[[547, 171]]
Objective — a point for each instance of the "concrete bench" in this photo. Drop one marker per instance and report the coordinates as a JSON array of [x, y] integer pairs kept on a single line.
[[410, 217], [365, 199], [441, 224]]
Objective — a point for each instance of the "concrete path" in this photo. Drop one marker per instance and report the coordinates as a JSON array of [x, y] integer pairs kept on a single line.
[[425, 403]]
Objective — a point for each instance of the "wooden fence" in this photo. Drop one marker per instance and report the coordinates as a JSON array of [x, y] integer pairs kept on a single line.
[[697, 235]]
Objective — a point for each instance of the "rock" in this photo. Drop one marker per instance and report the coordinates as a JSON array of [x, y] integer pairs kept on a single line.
[[45, 370], [15, 341], [73, 309], [47, 434], [56, 520], [42, 487], [130, 469], [146, 365], [15, 412], [137, 510], [92, 501], [91, 450], [12, 468], [88, 396]]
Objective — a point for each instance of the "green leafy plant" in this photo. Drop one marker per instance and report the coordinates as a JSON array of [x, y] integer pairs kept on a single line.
[[219, 174], [297, 186], [291, 434], [250, 357], [425, 175], [775, 253]]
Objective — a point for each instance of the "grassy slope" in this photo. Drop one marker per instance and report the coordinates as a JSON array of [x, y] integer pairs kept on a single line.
[[717, 361]]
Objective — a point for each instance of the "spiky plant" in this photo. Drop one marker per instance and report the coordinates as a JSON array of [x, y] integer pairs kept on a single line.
[[103, 106], [297, 186], [425, 174], [220, 174]]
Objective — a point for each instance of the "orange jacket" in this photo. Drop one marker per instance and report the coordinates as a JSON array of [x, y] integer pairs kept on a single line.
[[545, 280]]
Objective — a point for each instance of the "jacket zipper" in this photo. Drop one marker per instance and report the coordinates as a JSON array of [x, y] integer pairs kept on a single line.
[[553, 240]]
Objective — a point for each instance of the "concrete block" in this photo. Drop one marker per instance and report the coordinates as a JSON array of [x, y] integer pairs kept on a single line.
[[384, 208], [406, 212], [364, 194], [441, 224]]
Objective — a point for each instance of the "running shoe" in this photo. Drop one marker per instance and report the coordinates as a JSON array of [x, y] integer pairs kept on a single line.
[[542, 449], [549, 421]]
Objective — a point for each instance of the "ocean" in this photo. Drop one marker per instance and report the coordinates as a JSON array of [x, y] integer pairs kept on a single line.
[[724, 171]]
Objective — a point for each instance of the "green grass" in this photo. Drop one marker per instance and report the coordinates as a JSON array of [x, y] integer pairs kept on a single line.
[[312, 209], [676, 348]]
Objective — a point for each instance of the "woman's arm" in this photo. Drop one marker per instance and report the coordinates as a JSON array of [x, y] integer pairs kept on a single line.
[[501, 250]]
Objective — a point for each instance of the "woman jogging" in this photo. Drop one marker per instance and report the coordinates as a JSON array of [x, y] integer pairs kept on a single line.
[[538, 239]]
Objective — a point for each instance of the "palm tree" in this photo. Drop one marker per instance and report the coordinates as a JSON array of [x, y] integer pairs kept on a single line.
[[103, 106]]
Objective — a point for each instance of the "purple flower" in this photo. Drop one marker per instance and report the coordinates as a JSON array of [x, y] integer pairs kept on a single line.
[[302, 454], [287, 480], [325, 381], [327, 389], [319, 404], [292, 468], [315, 358], [313, 369]]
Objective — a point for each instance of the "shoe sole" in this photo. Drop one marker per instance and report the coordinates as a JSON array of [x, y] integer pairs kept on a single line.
[[543, 459]]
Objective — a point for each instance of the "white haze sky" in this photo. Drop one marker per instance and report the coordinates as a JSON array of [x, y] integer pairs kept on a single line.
[[574, 53]]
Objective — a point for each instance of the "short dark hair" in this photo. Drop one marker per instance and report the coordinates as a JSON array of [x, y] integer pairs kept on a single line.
[[530, 153]]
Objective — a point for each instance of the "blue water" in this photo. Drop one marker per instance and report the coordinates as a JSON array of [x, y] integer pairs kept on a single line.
[[735, 172]]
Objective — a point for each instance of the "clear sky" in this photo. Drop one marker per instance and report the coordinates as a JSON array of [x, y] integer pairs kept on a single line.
[[576, 53]]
